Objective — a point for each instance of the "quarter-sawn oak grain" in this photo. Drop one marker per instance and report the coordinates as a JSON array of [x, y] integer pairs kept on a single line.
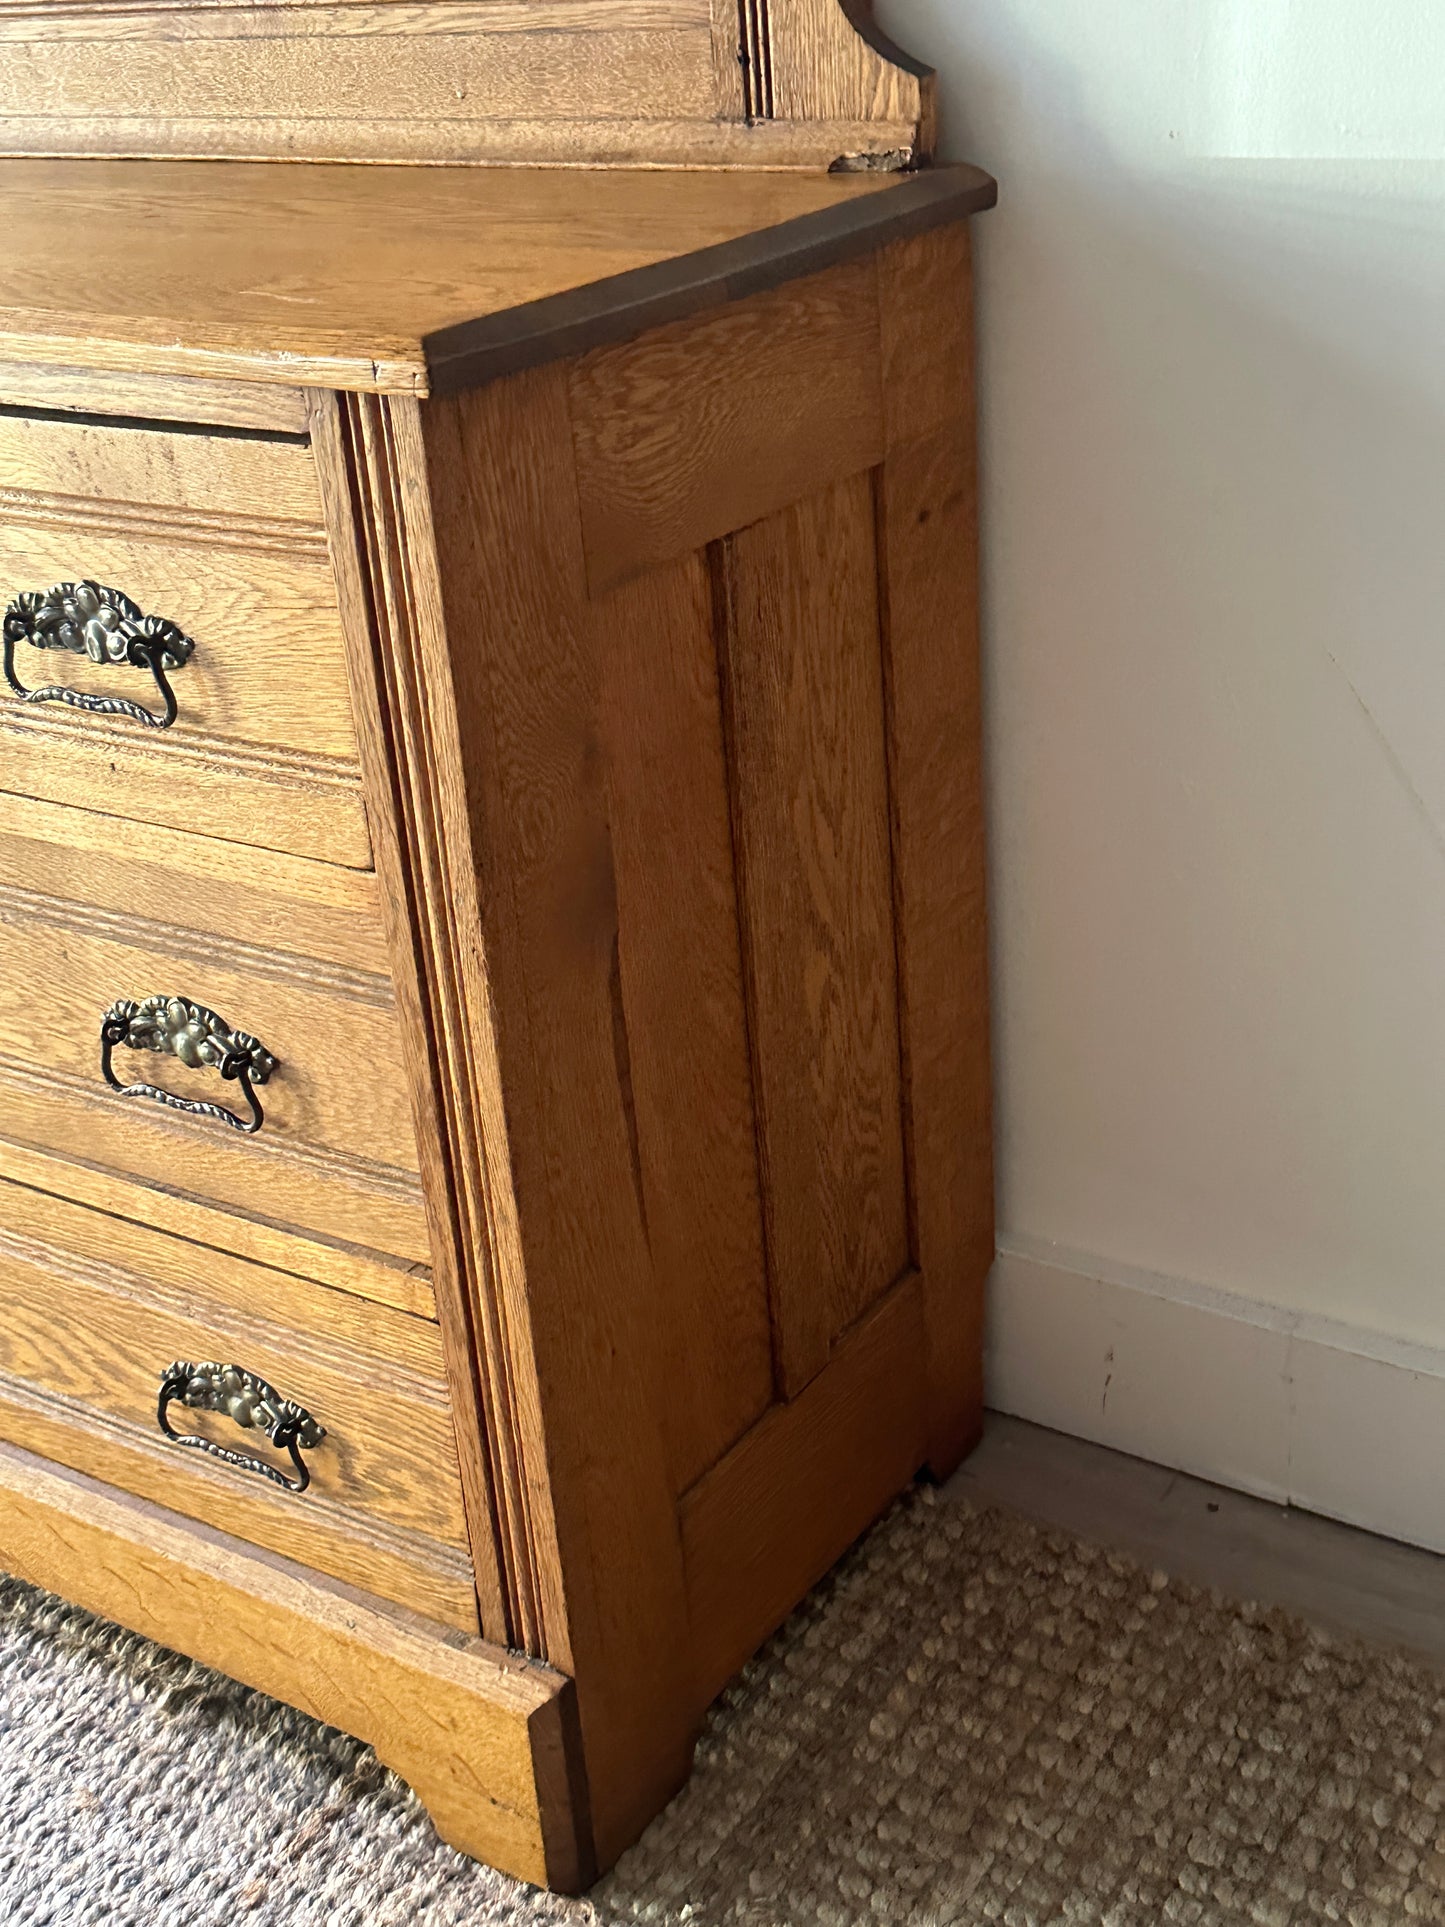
[[594, 556]]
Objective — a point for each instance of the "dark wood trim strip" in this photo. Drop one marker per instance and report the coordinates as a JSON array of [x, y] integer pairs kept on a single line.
[[624, 305]]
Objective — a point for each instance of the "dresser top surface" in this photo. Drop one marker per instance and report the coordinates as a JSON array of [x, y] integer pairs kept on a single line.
[[409, 279]]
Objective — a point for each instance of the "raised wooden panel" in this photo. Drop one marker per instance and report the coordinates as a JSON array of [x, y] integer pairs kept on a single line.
[[798, 83], [804, 678], [681, 1021], [96, 1308]]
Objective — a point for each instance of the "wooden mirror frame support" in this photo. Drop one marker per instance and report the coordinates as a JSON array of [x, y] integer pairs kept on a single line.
[[672, 83]]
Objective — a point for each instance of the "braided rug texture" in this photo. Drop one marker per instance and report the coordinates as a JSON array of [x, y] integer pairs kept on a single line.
[[972, 1720]]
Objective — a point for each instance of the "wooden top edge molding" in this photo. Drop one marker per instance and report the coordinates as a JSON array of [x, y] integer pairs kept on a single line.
[[625, 304], [582, 83], [404, 279]]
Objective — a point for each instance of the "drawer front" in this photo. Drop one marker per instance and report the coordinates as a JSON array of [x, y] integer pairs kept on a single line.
[[93, 1311], [219, 535], [96, 914]]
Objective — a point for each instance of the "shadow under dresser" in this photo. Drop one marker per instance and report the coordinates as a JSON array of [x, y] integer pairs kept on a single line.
[[494, 1144]]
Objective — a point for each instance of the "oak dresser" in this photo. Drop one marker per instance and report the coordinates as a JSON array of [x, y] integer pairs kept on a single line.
[[494, 1124]]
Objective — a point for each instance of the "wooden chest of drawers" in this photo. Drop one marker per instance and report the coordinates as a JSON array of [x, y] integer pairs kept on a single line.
[[494, 1152]]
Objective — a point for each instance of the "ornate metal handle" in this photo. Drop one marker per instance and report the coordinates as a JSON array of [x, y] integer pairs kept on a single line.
[[90, 620], [250, 1401], [196, 1036]]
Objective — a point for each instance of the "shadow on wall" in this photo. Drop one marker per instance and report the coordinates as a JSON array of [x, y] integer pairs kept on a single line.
[[1214, 490]]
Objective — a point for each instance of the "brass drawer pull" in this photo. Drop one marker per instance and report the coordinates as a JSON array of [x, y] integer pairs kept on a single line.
[[251, 1402], [87, 619], [196, 1036]]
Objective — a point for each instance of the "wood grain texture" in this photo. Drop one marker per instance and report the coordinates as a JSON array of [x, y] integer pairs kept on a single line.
[[294, 905], [229, 404], [664, 713], [583, 82], [405, 1286], [804, 682], [406, 279], [290, 950], [681, 1020], [929, 540], [828, 60], [298, 1187], [485, 1738], [527, 649], [766, 1523], [182, 471], [307, 808], [221, 533], [698, 428], [268, 668], [339, 1086], [373, 474], [96, 1308]]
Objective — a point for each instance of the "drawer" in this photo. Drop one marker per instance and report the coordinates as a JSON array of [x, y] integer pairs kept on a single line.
[[94, 1310], [93, 911], [219, 534]]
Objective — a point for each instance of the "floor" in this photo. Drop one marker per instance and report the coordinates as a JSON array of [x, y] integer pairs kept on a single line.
[[1342, 1579]]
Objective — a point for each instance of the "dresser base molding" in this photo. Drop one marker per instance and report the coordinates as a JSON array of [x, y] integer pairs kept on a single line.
[[486, 1739]]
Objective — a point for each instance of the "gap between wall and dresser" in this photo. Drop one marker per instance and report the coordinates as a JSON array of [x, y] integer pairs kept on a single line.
[[1290, 1406]]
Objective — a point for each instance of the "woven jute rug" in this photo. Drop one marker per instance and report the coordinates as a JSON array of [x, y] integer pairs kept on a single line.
[[972, 1720]]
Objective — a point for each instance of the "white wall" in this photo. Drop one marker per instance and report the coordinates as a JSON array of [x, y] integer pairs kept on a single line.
[[1213, 371]]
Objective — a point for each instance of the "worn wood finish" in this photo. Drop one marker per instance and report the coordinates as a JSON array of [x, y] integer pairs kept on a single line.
[[185, 473], [96, 1308], [485, 1738], [415, 278], [587, 83]]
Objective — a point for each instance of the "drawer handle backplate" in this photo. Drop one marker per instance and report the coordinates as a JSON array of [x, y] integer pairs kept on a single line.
[[198, 1037], [251, 1402], [87, 619]]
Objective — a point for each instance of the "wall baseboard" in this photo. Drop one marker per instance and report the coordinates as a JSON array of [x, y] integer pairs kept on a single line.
[[1292, 1407]]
